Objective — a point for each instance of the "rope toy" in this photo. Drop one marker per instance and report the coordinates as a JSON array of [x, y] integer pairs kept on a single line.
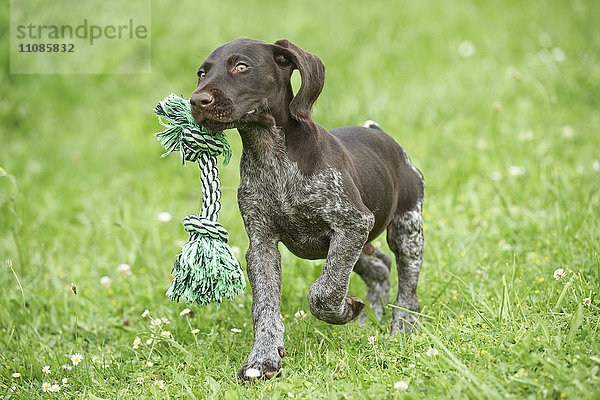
[[206, 271]]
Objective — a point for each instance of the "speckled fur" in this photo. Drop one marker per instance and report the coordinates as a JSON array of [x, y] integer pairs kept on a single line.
[[278, 203], [323, 194]]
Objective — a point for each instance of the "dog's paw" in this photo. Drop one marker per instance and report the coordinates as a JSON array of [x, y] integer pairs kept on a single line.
[[356, 305], [404, 322], [263, 366]]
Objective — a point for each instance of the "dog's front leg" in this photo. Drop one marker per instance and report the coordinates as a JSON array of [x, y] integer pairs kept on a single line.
[[327, 298], [263, 265]]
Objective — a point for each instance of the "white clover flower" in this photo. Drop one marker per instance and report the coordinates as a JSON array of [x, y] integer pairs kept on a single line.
[[124, 270], [558, 54], [145, 313], [46, 386], [67, 367], [411, 365], [185, 311], [194, 331], [559, 273], [55, 388], [567, 131], [586, 302], [371, 339], [165, 320], [300, 314], [16, 375], [516, 170], [252, 373], [432, 352], [160, 384], [465, 49], [105, 281], [46, 369], [400, 385], [235, 330], [164, 216], [76, 358]]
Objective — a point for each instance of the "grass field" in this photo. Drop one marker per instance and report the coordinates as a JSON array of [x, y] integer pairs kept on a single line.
[[496, 102]]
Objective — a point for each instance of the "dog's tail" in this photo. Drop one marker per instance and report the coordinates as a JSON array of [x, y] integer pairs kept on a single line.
[[372, 125]]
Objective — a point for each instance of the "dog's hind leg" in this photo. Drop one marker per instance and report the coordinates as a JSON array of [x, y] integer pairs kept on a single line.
[[373, 266], [405, 238]]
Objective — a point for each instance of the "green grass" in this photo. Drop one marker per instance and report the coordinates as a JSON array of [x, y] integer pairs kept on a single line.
[[82, 185]]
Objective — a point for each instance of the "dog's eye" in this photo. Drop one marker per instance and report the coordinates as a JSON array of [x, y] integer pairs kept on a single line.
[[201, 74], [241, 67]]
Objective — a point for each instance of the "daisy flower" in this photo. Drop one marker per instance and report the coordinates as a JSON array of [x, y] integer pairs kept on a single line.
[[46, 369], [65, 381], [165, 334], [185, 311], [136, 342], [149, 341], [160, 384], [586, 302], [145, 313], [236, 330], [155, 323], [76, 358], [559, 273], [46, 386], [55, 388], [432, 352], [400, 385], [16, 375], [194, 331]]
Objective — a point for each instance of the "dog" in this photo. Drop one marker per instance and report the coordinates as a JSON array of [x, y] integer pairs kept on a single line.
[[323, 194]]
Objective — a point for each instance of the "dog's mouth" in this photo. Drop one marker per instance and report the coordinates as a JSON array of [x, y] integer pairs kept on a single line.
[[219, 120]]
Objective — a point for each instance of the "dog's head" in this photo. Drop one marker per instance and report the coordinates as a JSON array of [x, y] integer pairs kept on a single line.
[[247, 82]]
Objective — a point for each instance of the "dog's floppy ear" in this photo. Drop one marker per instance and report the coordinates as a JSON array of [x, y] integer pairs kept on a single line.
[[312, 74]]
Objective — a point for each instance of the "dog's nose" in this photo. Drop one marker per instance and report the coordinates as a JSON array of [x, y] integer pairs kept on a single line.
[[202, 99]]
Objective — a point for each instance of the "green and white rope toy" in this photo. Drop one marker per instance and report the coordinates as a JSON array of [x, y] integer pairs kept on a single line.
[[206, 271]]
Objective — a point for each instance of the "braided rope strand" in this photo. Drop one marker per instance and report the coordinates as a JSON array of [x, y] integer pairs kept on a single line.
[[206, 270]]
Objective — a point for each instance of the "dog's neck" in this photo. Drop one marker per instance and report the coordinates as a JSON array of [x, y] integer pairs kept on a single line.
[[270, 147], [264, 147]]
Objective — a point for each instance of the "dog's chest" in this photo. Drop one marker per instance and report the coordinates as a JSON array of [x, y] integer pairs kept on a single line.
[[298, 210]]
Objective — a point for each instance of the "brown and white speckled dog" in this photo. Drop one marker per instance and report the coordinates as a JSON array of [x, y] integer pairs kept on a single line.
[[324, 194]]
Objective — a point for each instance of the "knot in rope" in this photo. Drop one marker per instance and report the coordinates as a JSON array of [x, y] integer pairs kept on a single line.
[[205, 227]]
